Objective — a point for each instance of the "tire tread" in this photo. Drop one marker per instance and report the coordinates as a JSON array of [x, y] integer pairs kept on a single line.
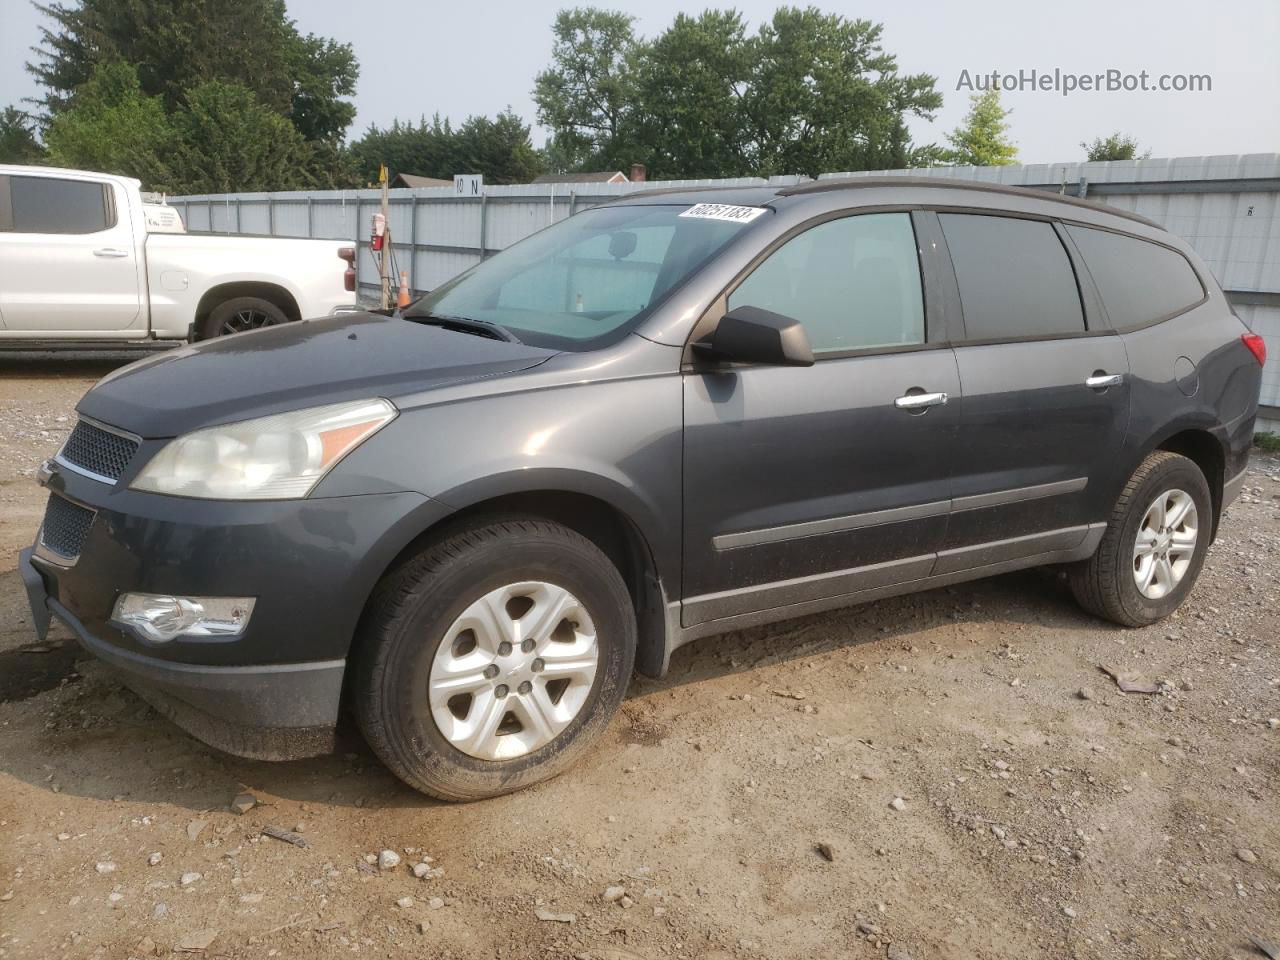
[[393, 598], [1095, 582]]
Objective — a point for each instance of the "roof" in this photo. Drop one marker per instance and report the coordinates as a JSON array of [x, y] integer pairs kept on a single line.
[[821, 186], [761, 195], [39, 170], [413, 180], [592, 176]]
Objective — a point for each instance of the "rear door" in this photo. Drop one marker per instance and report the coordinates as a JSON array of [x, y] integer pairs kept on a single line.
[[1046, 393], [68, 261], [807, 483]]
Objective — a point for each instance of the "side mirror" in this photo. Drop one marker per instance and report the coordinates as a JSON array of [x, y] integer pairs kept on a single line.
[[753, 335]]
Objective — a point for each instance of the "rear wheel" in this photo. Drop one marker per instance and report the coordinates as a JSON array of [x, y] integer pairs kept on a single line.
[[1154, 546], [241, 314], [494, 658]]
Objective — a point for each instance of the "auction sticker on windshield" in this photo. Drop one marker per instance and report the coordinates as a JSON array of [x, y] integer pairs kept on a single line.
[[723, 211]]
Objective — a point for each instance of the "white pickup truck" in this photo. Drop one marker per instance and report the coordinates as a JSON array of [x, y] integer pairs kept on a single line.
[[83, 257]]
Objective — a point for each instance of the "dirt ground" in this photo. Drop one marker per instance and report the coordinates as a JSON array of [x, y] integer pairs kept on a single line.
[[1044, 813]]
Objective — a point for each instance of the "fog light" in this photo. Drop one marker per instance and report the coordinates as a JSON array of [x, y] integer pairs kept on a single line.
[[161, 618]]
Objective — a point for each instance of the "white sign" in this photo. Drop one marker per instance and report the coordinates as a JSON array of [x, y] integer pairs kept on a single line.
[[723, 211], [468, 184]]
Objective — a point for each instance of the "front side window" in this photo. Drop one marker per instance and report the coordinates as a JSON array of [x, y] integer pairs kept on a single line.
[[1140, 282], [53, 205], [853, 283], [1014, 275], [586, 280]]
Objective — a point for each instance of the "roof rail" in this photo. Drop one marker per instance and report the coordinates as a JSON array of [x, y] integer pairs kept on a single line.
[[845, 183], [693, 188]]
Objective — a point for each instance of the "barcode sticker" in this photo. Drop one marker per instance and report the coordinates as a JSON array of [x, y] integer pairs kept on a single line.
[[723, 211]]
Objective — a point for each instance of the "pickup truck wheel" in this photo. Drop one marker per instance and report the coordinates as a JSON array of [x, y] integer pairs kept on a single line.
[[1154, 546], [240, 314], [494, 658]]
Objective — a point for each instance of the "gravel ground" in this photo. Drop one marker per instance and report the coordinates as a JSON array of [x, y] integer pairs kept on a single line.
[[948, 775]]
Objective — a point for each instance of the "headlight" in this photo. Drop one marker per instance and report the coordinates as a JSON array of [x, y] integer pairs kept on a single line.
[[280, 457]]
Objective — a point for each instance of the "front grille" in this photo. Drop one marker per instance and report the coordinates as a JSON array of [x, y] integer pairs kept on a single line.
[[98, 451], [66, 525]]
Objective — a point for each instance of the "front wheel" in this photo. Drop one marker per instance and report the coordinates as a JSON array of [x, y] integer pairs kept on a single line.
[[491, 660], [1154, 546]]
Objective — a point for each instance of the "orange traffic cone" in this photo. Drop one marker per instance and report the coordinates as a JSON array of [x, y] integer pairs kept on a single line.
[[403, 300]]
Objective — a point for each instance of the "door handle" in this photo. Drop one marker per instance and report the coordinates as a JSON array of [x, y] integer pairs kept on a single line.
[[918, 401], [1100, 381], [110, 252]]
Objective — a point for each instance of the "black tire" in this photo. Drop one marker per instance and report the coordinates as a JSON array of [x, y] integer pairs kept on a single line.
[[1104, 584], [414, 606], [240, 314]]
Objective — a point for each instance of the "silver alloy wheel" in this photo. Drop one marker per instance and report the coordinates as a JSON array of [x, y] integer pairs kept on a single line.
[[513, 670], [1166, 544]]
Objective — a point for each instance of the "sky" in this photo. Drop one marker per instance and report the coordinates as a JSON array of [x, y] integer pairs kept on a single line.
[[419, 58]]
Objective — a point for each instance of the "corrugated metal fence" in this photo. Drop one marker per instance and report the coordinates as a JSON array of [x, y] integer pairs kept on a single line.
[[436, 234], [1226, 207]]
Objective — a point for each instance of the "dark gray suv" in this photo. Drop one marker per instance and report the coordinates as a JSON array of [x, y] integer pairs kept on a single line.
[[679, 414]]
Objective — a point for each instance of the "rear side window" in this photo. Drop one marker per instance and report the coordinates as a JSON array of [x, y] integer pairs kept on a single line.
[[853, 283], [51, 205], [1140, 282], [1014, 275]]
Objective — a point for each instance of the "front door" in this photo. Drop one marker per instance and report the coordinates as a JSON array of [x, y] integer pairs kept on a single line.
[[807, 483], [68, 261]]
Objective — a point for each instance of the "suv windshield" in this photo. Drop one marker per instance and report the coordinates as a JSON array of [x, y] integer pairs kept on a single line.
[[585, 281]]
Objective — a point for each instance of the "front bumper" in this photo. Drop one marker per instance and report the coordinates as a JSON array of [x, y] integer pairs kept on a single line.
[[274, 691], [272, 712]]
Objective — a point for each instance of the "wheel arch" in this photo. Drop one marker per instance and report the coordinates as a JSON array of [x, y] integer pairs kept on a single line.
[[222, 292], [604, 522], [1203, 447]]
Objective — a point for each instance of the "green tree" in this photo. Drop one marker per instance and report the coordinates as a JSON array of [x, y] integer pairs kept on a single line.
[[18, 142], [498, 148], [323, 72], [180, 44], [689, 119], [110, 125], [566, 151], [808, 92], [425, 149], [825, 96], [584, 97], [226, 141], [983, 139], [1115, 147]]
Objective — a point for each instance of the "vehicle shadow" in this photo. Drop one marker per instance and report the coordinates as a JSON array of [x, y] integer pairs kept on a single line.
[[99, 740], [1037, 597]]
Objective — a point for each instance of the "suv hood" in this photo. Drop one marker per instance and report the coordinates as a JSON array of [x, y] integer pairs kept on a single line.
[[296, 365]]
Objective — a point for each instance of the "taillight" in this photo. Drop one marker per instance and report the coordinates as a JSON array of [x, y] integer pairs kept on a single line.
[[1257, 346], [349, 279], [348, 254]]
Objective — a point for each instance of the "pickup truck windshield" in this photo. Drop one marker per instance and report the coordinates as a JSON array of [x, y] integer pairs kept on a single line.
[[585, 281]]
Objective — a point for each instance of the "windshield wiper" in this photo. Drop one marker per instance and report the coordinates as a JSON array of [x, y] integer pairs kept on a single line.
[[481, 328]]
